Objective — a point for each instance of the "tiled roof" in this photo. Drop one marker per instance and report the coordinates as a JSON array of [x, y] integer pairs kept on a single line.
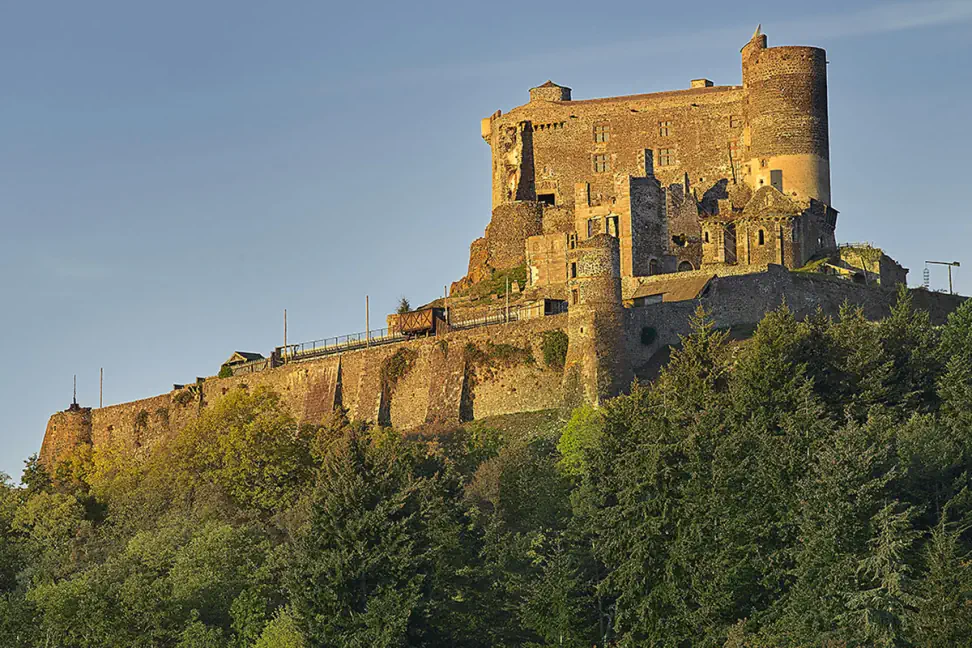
[[674, 287]]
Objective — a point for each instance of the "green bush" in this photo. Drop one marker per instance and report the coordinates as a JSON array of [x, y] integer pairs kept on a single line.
[[555, 348], [225, 371], [395, 367]]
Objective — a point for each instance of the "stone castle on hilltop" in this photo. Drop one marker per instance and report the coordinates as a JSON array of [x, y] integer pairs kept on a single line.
[[612, 220], [726, 179]]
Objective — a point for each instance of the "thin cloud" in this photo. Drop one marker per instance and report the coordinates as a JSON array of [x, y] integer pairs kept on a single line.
[[887, 17]]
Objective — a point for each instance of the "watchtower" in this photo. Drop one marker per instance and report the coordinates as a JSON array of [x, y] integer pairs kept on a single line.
[[597, 364], [785, 101]]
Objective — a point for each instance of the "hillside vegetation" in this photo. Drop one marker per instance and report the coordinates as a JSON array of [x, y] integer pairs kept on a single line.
[[809, 487]]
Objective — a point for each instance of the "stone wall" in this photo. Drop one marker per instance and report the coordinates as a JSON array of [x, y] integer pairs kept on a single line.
[[460, 375], [701, 124], [741, 301], [483, 372]]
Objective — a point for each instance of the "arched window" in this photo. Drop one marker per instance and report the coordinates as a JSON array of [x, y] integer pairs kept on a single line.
[[685, 266], [761, 237], [653, 267]]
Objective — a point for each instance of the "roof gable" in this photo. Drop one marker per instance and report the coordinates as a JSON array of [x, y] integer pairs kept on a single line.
[[768, 201]]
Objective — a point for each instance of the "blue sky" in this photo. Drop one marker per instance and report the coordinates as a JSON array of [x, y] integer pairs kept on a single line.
[[173, 175]]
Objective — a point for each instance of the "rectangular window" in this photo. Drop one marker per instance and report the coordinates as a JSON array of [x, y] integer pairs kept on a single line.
[[665, 128], [735, 122], [573, 270], [574, 296], [547, 199], [666, 157], [776, 179], [612, 226], [601, 163], [602, 133]]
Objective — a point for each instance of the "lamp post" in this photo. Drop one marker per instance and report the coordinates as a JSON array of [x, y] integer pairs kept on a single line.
[[950, 265]]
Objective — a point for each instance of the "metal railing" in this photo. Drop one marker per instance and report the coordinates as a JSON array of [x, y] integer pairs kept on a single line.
[[379, 337], [339, 344]]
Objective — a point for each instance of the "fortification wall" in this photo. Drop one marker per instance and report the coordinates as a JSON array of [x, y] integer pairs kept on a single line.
[[462, 375], [742, 301]]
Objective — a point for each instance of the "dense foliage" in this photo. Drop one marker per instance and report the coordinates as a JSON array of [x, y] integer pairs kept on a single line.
[[806, 487]]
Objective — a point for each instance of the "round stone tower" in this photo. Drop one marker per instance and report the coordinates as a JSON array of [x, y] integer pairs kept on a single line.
[[597, 364], [785, 91], [65, 431]]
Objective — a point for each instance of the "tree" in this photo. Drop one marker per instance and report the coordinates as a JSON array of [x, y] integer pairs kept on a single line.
[[250, 447], [403, 306], [282, 632], [380, 562], [580, 435]]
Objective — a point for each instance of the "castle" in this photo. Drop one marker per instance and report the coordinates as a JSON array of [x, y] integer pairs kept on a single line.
[[722, 178], [612, 219]]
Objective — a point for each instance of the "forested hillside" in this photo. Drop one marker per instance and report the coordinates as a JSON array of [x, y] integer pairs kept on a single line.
[[806, 487]]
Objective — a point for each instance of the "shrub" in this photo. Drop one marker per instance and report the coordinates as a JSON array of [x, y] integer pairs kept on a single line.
[[225, 371], [395, 367], [183, 397], [555, 348]]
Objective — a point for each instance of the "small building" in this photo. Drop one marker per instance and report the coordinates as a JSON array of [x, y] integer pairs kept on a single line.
[[244, 362], [668, 288]]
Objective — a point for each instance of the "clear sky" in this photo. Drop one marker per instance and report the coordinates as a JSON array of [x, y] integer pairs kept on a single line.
[[174, 174]]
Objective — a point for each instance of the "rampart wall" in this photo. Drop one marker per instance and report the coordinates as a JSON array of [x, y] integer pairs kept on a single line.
[[742, 301], [446, 379]]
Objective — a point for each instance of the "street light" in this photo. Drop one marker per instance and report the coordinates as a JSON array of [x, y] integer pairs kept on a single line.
[[950, 264]]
